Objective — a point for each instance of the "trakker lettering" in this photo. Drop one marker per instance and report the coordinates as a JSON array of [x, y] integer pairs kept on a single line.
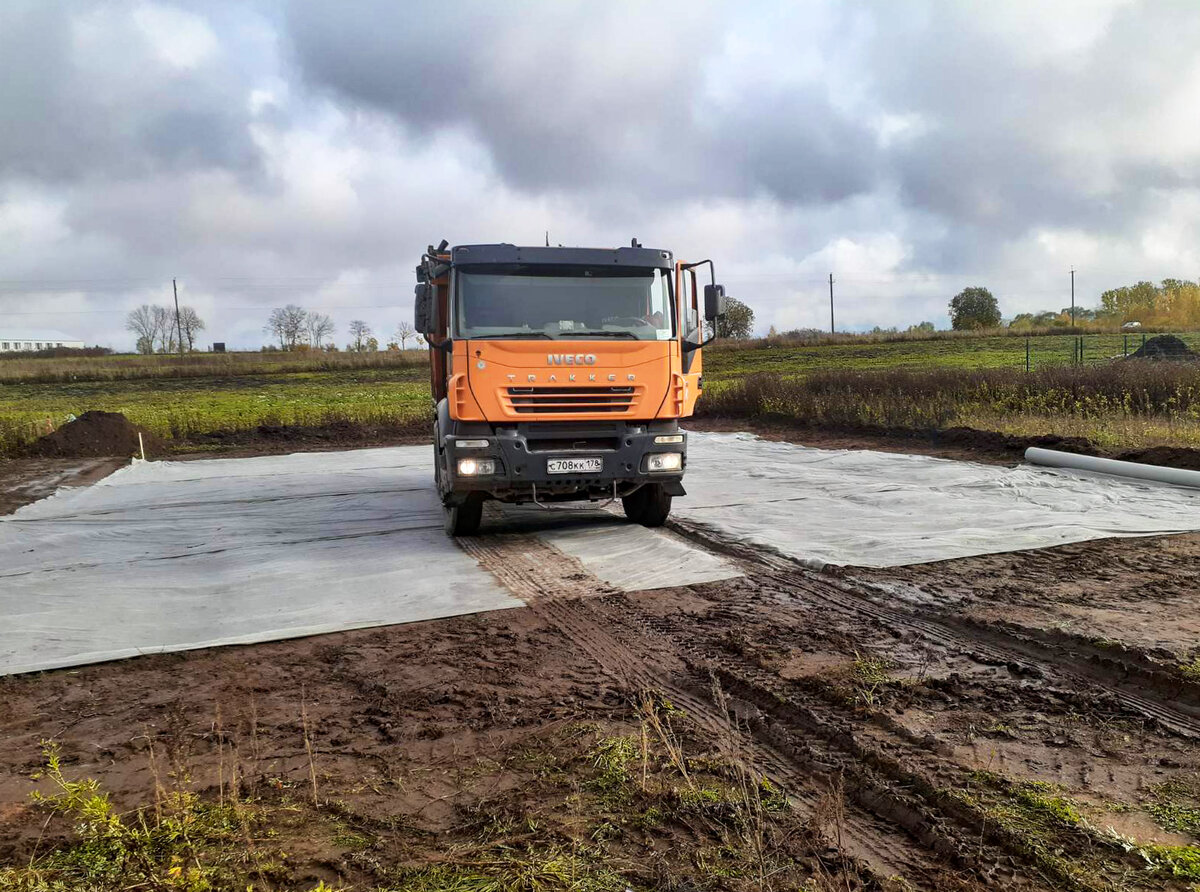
[[570, 359]]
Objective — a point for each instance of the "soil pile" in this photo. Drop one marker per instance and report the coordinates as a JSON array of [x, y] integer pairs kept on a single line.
[[1164, 347], [1166, 456], [96, 435]]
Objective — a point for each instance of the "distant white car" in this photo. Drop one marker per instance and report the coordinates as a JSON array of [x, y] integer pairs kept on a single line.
[[1131, 325]]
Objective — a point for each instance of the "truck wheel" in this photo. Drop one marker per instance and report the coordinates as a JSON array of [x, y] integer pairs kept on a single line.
[[650, 506], [463, 520]]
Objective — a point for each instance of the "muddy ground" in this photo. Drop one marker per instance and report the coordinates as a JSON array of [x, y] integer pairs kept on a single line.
[[1026, 720]]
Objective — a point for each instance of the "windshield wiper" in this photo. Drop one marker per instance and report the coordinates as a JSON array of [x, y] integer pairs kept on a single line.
[[600, 334], [512, 335]]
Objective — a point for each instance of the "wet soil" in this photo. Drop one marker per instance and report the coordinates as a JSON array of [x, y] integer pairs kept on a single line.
[[1133, 600], [274, 439], [1012, 721], [25, 480]]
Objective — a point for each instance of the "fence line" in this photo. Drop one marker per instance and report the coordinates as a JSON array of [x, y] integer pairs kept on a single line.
[[1094, 349]]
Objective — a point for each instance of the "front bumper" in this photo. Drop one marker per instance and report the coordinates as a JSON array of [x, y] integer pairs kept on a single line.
[[521, 455]]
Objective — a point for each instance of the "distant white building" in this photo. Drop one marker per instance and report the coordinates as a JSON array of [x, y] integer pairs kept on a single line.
[[20, 341]]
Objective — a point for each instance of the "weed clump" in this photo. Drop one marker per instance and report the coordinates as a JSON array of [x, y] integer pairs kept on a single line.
[[1176, 805], [868, 675], [612, 757], [184, 843], [1053, 829], [553, 870]]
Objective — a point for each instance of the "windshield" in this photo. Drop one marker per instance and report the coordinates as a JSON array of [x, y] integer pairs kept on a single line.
[[539, 301]]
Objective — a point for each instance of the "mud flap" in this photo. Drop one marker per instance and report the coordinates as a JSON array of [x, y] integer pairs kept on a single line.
[[674, 488]]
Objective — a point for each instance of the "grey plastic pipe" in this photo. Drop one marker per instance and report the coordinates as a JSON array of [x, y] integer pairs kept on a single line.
[[1055, 459]]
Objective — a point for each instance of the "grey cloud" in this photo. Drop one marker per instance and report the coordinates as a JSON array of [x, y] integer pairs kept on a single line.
[[69, 112], [1015, 139], [737, 131], [577, 97]]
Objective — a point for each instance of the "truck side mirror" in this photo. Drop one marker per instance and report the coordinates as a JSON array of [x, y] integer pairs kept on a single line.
[[421, 308], [715, 302]]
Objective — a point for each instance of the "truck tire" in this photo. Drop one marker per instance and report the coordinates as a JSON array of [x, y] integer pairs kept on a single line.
[[463, 520], [650, 506]]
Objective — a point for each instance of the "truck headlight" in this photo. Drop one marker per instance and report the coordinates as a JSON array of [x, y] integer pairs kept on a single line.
[[476, 467], [664, 461], [669, 438], [471, 444]]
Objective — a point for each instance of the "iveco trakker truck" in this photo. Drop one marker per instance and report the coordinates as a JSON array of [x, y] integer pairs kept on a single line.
[[561, 374]]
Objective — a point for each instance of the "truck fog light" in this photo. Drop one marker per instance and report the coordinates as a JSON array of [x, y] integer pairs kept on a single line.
[[476, 467], [664, 461], [669, 438], [471, 444]]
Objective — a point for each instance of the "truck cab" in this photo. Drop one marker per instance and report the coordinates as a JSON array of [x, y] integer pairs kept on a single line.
[[561, 374]]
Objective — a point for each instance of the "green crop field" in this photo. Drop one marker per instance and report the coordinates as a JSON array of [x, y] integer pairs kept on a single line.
[[726, 363], [178, 408]]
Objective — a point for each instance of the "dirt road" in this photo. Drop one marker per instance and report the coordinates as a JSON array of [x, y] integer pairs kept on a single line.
[[958, 725]]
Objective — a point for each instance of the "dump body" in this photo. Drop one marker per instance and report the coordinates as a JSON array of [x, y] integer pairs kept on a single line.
[[560, 373]]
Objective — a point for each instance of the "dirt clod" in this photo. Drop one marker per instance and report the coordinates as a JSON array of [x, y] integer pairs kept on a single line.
[[96, 435]]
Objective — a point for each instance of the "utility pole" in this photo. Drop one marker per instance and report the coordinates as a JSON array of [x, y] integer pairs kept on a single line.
[[831, 330], [1072, 300], [178, 324]]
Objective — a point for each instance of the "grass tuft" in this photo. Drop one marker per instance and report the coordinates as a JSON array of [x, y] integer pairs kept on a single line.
[[555, 870], [868, 676], [184, 843], [1176, 805]]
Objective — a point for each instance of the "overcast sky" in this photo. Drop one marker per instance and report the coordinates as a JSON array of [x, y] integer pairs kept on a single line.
[[307, 152]]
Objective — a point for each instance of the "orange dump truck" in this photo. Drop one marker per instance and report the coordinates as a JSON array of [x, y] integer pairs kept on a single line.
[[561, 374]]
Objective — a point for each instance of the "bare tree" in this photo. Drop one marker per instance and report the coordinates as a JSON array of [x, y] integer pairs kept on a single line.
[[288, 324], [191, 325], [404, 331], [360, 331], [164, 327], [143, 323], [320, 327]]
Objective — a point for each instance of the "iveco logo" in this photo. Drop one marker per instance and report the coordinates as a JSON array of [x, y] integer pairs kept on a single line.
[[570, 359]]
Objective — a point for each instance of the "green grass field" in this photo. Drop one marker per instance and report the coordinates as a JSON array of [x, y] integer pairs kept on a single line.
[[177, 408], [911, 383], [996, 352]]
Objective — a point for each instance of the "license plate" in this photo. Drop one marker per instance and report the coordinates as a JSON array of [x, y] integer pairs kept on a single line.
[[574, 465]]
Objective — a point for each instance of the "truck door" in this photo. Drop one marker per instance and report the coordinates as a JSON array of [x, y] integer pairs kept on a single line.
[[693, 331]]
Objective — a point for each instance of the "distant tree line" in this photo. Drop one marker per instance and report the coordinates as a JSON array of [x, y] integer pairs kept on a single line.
[[296, 328], [1173, 303], [159, 331]]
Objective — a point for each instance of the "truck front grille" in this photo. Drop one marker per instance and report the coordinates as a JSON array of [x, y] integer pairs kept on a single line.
[[563, 400]]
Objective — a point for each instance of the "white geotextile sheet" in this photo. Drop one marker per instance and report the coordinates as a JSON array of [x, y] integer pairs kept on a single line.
[[178, 555], [879, 509], [165, 556]]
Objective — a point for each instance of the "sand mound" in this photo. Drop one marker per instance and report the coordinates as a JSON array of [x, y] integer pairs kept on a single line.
[[1164, 347], [96, 434]]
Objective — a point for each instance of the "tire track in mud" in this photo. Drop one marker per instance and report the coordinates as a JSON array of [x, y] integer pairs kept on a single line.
[[985, 644], [887, 829]]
